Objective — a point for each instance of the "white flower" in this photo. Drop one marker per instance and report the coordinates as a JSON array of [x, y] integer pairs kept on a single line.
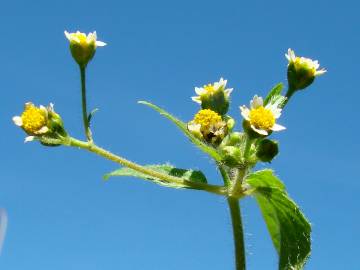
[[262, 119], [302, 62], [210, 89], [82, 39]]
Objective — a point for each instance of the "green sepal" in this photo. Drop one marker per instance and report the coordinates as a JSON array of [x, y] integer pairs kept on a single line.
[[189, 175], [288, 227], [183, 127]]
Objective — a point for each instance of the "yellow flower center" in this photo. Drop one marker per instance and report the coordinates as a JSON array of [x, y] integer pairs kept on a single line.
[[81, 37], [207, 118], [33, 119], [262, 118], [305, 63], [209, 88]]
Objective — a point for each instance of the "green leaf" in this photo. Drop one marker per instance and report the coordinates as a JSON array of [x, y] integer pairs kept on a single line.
[[289, 229], [274, 92], [190, 175], [183, 127]]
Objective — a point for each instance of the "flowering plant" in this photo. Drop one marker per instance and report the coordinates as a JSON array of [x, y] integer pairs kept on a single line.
[[211, 130]]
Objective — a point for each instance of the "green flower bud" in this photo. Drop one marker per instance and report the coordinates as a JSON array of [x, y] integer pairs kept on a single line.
[[231, 155], [267, 150], [83, 47], [301, 71], [214, 97]]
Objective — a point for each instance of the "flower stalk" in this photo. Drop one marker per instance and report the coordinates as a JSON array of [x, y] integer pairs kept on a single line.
[[84, 105]]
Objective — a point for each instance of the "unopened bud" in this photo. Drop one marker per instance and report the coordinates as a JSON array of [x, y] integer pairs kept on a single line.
[[267, 150]]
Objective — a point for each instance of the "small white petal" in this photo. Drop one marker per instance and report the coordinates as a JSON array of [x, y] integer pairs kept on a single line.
[[50, 108], [196, 99], [17, 121], [67, 35], [256, 102], [228, 91], [320, 72], [200, 91], [260, 131], [100, 43], [42, 130], [278, 127], [245, 112], [276, 112], [29, 139], [291, 54], [195, 129]]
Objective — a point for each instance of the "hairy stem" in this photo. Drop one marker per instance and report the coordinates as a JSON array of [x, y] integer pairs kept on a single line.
[[84, 106], [224, 174], [248, 144], [237, 233], [91, 147]]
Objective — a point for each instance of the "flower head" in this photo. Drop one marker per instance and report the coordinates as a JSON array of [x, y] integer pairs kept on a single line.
[[83, 46], [208, 125], [262, 119], [214, 96], [39, 121], [302, 71]]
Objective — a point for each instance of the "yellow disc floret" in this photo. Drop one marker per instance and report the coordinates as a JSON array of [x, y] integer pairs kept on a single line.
[[33, 119], [81, 37], [262, 118], [210, 89], [207, 118]]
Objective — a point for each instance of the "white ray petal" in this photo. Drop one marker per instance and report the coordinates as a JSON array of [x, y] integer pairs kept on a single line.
[[196, 99], [200, 91], [100, 43], [67, 35], [278, 127], [260, 131], [17, 121], [29, 139], [256, 102], [245, 112]]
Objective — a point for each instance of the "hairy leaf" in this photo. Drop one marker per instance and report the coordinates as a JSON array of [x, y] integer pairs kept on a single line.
[[190, 175], [183, 127], [288, 227]]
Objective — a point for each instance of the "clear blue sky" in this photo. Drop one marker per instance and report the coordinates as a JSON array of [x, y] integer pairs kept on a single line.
[[63, 216]]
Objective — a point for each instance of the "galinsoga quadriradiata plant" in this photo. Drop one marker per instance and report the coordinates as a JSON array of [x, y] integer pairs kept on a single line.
[[211, 130]]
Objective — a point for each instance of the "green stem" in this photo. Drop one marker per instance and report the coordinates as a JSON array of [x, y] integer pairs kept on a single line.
[[237, 232], [248, 144], [91, 147], [84, 107], [224, 174], [288, 95]]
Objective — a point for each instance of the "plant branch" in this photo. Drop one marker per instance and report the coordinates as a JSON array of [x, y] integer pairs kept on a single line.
[[91, 147]]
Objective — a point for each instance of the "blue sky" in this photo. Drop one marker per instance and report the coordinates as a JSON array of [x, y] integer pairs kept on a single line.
[[63, 216]]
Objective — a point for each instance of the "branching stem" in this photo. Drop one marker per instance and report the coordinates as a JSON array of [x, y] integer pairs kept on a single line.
[[91, 147]]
